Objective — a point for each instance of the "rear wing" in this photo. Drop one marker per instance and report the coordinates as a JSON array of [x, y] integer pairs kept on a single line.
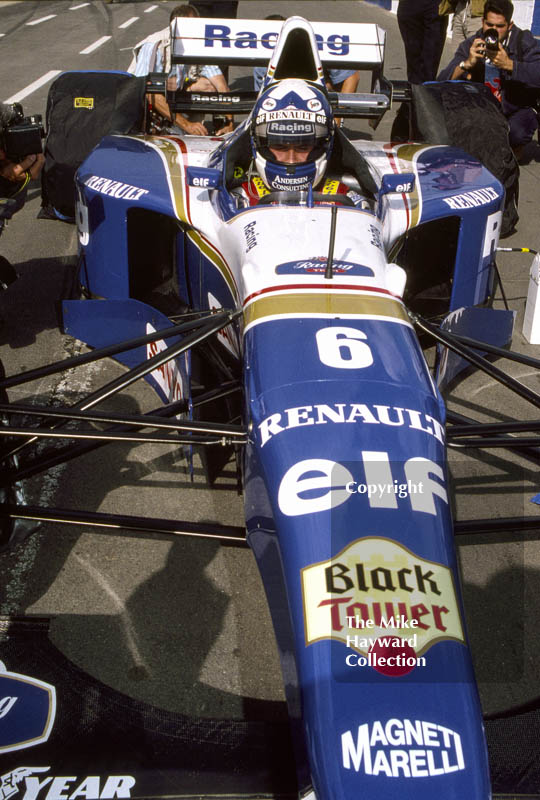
[[295, 48], [252, 41]]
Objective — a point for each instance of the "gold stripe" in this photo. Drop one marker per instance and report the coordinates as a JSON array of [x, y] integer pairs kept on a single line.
[[173, 156], [216, 260], [323, 303], [406, 154]]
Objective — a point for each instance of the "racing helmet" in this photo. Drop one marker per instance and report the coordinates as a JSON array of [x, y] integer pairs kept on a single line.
[[292, 112]]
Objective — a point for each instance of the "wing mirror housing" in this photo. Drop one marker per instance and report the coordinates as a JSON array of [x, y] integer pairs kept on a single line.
[[204, 177], [397, 184]]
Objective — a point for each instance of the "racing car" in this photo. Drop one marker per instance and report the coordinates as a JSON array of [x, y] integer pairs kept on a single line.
[[283, 329]]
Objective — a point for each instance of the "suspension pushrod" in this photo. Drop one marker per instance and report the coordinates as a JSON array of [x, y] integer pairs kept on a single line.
[[215, 394], [140, 420], [66, 433], [55, 456], [511, 355], [214, 531], [510, 442], [123, 381], [102, 352], [486, 428], [532, 453], [464, 527], [448, 340]]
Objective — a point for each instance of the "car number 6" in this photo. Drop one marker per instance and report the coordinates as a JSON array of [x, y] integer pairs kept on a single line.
[[341, 348]]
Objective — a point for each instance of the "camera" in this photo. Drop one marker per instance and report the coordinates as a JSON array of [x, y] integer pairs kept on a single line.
[[491, 38], [218, 122], [20, 136]]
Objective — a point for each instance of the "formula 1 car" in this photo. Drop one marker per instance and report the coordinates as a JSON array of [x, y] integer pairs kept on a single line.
[[296, 316]]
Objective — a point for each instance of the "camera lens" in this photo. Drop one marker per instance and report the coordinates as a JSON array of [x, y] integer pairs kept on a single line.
[[491, 38]]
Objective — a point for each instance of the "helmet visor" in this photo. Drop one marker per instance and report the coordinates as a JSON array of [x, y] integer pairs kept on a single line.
[[302, 133]]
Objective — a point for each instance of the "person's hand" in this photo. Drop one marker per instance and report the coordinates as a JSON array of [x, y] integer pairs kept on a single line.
[[16, 172], [194, 128], [476, 53], [36, 166], [502, 60], [226, 128]]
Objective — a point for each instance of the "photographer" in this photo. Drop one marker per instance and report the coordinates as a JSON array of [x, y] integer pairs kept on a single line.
[[15, 174], [507, 60]]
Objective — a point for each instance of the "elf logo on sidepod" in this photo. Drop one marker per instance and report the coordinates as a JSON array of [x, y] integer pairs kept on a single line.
[[403, 748], [27, 711], [37, 787]]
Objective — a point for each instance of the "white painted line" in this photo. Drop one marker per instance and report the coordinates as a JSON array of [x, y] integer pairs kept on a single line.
[[92, 47], [81, 5], [16, 98], [42, 19], [2, 34], [128, 22], [149, 9]]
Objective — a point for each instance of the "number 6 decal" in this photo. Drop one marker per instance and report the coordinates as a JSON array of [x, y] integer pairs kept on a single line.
[[341, 348]]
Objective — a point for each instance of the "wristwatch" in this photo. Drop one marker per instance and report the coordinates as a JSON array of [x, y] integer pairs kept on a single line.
[[462, 67]]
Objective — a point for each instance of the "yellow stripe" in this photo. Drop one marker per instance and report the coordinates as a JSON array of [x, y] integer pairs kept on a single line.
[[330, 186], [260, 186], [323, 303]]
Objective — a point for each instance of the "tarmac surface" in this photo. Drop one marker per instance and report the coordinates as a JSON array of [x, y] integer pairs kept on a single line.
[[184, 624]]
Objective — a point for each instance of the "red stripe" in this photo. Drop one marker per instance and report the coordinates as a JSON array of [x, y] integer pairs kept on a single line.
[[318, 287]]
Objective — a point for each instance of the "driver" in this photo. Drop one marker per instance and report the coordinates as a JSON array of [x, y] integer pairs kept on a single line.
[[292, 137]]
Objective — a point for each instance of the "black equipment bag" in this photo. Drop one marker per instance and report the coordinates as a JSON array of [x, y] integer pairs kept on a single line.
[[466, 115], [82, 108]]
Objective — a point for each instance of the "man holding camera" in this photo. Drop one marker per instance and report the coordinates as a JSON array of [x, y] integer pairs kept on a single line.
[[507, 60], [15, 174]]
